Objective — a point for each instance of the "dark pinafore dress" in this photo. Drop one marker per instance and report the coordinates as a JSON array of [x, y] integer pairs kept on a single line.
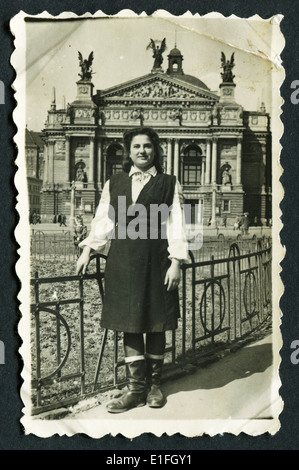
[[136, 299]]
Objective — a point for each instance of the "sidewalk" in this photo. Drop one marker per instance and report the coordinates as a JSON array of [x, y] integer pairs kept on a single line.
[[237, 387]]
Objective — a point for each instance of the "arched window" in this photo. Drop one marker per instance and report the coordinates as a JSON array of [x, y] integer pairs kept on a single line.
[[192, 165], [114, 160]]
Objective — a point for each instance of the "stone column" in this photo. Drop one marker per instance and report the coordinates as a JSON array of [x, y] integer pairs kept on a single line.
[[91, 160], [46, 167], [239, 161], [203, 166], [176, 158], [208, 162], [104, 151], [214, 160], [67, 158], [169, 157], [51, 162], [100, 176]]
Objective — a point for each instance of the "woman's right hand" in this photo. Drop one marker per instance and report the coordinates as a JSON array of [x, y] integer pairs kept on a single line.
[[83, 261]]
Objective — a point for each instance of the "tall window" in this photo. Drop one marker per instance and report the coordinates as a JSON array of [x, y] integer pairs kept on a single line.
[[226, 205], [78, 202], [192, 162], [114, 160]]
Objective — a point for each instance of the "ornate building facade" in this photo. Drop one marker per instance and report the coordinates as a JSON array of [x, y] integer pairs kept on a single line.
[[220, 152], [34, 147]]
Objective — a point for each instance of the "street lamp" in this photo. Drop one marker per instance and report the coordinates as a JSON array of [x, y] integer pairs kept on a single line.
[[213, 218], [72, 216], [55, 201]]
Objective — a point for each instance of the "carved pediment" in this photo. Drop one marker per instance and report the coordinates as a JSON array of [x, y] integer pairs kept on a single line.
[[157, 87]]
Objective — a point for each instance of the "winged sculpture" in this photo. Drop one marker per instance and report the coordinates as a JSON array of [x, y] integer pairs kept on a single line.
[[86, 71], [158, 48], [227, 65]]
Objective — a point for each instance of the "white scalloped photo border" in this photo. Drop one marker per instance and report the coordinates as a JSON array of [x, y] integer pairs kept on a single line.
[[131, 429]]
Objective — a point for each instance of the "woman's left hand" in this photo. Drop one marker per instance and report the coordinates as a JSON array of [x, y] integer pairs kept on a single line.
[[173, 275]]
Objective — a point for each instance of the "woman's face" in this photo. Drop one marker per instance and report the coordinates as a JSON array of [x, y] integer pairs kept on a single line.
[[142, 152]]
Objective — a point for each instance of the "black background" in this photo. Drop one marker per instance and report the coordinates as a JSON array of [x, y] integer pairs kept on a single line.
[[12, 436]]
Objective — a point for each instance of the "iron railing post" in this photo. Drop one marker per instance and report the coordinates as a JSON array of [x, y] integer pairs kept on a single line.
[[82, 356]]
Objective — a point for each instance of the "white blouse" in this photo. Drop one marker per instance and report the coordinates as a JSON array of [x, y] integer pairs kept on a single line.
[[102, 227]]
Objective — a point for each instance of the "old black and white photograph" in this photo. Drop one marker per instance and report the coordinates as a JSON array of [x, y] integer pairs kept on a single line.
[[149, 203]]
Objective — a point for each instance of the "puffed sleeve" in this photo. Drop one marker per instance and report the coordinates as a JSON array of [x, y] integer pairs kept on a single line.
[[175, 228], [102, 227]]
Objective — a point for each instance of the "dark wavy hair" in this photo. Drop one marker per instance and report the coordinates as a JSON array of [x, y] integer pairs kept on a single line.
[[128, 137]]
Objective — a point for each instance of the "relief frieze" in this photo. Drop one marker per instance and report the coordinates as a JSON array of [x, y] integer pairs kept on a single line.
[[157, 89], [84, 113]]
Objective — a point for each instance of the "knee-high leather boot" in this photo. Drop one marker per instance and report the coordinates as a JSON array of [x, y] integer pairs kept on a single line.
[[136, 394], [155, 398]]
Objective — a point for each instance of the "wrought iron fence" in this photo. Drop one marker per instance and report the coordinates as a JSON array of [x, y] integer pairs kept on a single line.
[[222, 300], [50, 246], [60, 245]]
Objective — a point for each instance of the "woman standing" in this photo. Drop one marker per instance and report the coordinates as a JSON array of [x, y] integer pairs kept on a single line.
[[142, 272]]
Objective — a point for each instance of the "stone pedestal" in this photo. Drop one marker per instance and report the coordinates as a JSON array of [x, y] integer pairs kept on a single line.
[[84, 90], [227, 92]]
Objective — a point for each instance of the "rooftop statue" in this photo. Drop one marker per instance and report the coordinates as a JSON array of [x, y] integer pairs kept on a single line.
[[227, 65], [86, 71], [158, 48]]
